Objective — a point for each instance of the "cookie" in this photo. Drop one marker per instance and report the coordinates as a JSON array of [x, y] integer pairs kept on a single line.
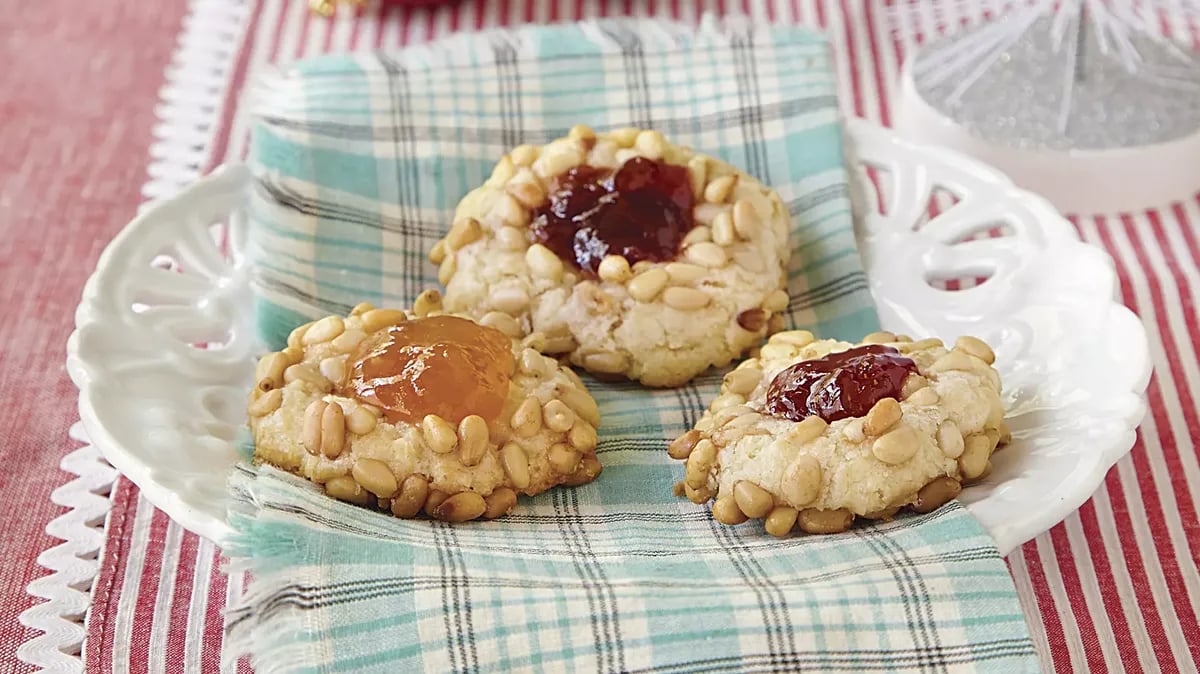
[[814, 433], [412, 411], [632, 257]]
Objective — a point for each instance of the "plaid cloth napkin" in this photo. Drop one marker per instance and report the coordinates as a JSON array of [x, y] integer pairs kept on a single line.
[[360, 161]]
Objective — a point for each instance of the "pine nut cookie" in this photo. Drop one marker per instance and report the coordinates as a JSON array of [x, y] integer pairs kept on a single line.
[[631, 256], [813, 434], [422, 411]]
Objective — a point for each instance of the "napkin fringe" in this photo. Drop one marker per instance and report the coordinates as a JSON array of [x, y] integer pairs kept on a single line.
[[274, 641]]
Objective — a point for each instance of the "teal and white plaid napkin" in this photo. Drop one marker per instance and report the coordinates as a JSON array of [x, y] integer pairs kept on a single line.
[[360, 161]]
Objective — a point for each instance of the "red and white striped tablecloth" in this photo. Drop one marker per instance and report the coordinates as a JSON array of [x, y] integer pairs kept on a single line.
[[1113, 588]]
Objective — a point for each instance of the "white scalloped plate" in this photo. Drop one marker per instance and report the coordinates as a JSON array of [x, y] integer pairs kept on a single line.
[[1074, 362]]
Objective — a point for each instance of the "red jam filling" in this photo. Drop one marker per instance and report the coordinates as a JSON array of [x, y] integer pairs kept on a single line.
[[641, 211], [840, 385], [439, 365]]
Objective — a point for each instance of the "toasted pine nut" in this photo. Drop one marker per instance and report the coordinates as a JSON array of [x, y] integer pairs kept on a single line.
[[543, 263], [509, 300], [807, 430], [778, 351], [516, 464], [685, 299], [296, 336], [924, 396], [725, 401], [349, 340], [378, 319], [527, 419], [557, 416], [361, 421], [582, 133], [743, 380], [699, 462], [723, 232], [697, 496], [605, 362], [344, 488], [718, 189], [937, 493], [955, 360], [464, 232], [615, 269], [815, 521], [294, 354], [798, 338], [438, 252], [882, 416], [309, 375], [310, 434], [781, 521], [752, 499], [472, 439], [976, 347], [587, 471], [361, 308], [269, 371], [333, 431], [523, 155], [563, 459], [681, 447], [433, 500], [375, 477], [583, 404], [801, 481], [698, 173], [776, 302], [528, 193], [650, 144], [922, 345], [503, 322], [510, 211], [647, 285], [323, 330], [752, 320], [266, 403], [725, 510], [439, 434], [775, 324], [707, 254], [446, 270], [896, 446], [557, 158], [974, 459], [500, 503], [582, 436], [624, 137], [428, 301], [535, 363], [950, 439], [912, 384], [462, 507], [511, 238], [503, 171], [413, 492], [880, 337]]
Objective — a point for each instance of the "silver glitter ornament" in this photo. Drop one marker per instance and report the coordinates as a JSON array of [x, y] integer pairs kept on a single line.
[[1053, 93]]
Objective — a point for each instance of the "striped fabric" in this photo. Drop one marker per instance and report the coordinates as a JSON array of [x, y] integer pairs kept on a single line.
[[1114, 588]]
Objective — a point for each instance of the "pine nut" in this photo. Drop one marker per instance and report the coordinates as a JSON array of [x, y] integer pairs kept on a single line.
[[752, 320], [698, 173], [323, 330], [625, 155], [745, 219], [681, 447], [882, 416], [563, 459], [707, 254], [556, 160], [796, 338], [603, 154], [697, 496], [801, 481], [582, 436], [896, 446], [706, 214], [853, 430], [462, 507], [650, 144], [699, 463], [807, 430], [582, 133], [543, 263], [413, 492], [682, 273], [752, 499], [269, 371], [557, 416], [523, 155], [447, 269], [925, 396], [902, 338], [510, 211], [743, 380], [775, 324], [375, 477], [534, 363], [559, 344], [472, 439], [503, 322], [815, 521], [381, 318], [912, 384], [528, 193], [976, 347], [723, 233], [778, 352], [1005, 433], [678, 489], [880, 337], [583, 404], [587, 471], [349, 340], [333, 369], [976, 452], [527, 420], [776, 302], [361, 421], [309, 375], [936, 494], [294, 354], [728, 414], [725, 510], [685, 299], [516, 465], [344, 488], [922, 345], [950, 439], [433, 500], [503, 171], [509, 300], [310, 433], [781, 521], [606, 362], [333, 431], [725, 401], [439, 434], [427, 302], [463, 233], [955, 360], [718, 189], [499, 503], [647, 285], [750, 261], [615, 269], [697, 234], [266, 403], [624, 137], [296, 336], [511, 238], [438, 252]]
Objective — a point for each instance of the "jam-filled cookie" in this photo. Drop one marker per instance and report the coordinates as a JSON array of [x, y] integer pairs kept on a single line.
[[422, 411], [815, 433], [633, 257]]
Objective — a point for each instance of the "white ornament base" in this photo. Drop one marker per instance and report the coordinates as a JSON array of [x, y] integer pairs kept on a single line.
[[1081, 182]]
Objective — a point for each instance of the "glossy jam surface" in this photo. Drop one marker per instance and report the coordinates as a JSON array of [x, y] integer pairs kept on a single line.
[[440, 365], [641, 211], [840, 385]]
